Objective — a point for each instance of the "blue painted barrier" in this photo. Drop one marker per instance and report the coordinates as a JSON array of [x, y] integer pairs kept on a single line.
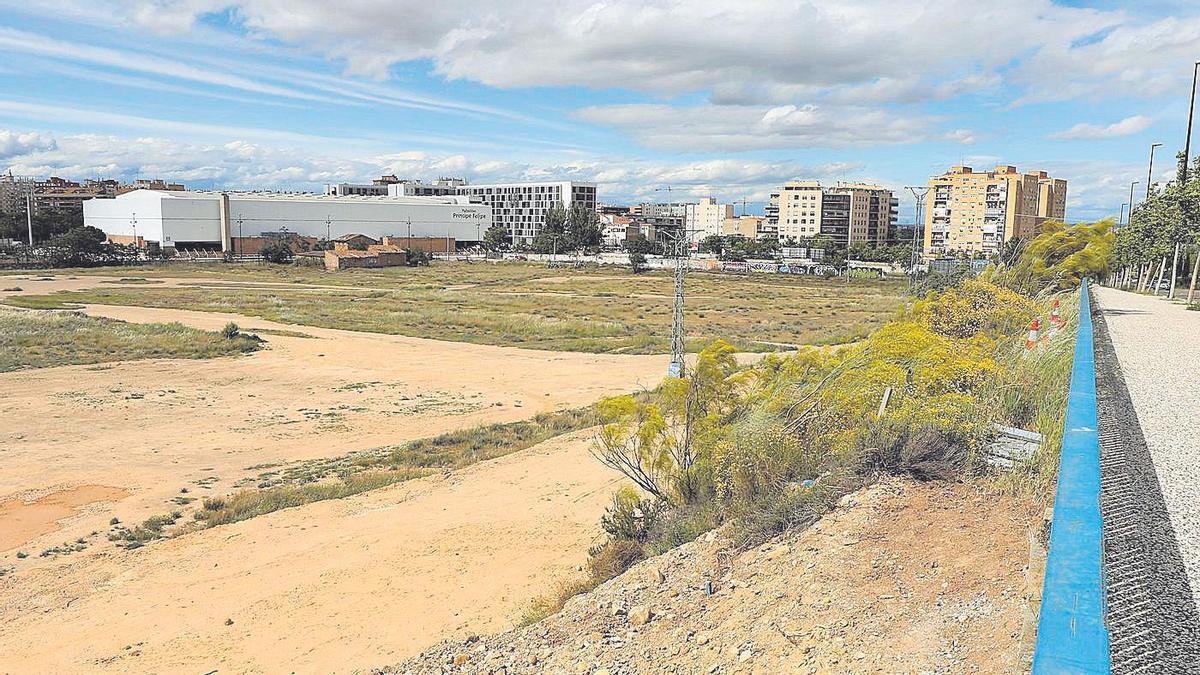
[[1071, 635]]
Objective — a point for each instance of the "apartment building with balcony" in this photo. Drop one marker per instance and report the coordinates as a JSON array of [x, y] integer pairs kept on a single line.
[[976, 212], [846, 213]]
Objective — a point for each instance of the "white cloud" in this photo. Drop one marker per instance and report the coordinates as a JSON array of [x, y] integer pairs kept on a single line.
[[732, 128], [751, 51], [1125, 127], [249, 164], [13, 144]]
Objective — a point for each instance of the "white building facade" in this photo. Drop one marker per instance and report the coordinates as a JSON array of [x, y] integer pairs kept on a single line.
[[521, 207], [705, 219], [212, 219]]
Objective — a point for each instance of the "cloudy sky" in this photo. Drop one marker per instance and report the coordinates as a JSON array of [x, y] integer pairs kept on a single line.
[[705, 96]]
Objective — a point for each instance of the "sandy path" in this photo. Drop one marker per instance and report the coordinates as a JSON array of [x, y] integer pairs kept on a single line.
[[331, 586], [155, 427]]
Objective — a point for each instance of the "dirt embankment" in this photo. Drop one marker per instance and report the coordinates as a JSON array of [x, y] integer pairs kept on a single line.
[[901, 578]]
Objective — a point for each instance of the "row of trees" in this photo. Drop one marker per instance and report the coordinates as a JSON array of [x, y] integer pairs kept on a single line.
[[45, 225], [1167, 222]]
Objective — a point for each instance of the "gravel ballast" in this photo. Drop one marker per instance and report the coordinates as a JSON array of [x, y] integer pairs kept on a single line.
[[1147, 362]]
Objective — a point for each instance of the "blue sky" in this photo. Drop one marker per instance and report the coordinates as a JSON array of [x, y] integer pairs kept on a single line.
[[710, 98]]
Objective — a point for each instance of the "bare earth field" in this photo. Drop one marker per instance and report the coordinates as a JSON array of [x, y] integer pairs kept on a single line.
[[155, 427], [388, 569], [332, 586], [343, 584]]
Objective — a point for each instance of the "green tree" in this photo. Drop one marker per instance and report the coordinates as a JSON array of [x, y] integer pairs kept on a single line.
[[552, 236], [276, 252], [637, 261], [79, 247], [1059, 257], [582, 227], [496, 238], [713, 243], [45, 225]]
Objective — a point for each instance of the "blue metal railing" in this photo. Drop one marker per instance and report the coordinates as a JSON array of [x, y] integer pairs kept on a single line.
[[1071, 635]]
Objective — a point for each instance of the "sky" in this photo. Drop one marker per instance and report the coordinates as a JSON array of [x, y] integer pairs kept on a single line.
[[654, 100]]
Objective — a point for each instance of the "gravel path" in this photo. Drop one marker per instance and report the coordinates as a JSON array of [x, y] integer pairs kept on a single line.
[[1157, 345]]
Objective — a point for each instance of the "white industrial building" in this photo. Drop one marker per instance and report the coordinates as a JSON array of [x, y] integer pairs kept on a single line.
[[212, 219]]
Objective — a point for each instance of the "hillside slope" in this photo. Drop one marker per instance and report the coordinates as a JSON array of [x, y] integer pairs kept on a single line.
[[902, 577]]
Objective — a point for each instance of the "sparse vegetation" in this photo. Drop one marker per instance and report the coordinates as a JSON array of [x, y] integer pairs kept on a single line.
[[588, 310], [776, 445], [43, 339], [151, 529], [348, 475]]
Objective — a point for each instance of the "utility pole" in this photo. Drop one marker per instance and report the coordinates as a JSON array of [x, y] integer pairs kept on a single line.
[[241, 247], [919, 192], [1121, 215], [328, 227], [677, 367], [133, 222], [29, 214]]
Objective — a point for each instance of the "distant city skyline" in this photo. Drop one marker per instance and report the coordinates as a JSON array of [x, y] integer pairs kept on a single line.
[[723, 99]]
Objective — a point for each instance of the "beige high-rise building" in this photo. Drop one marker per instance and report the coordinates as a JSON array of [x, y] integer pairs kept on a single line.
[[976, 212], [846, 213], [705, 218]]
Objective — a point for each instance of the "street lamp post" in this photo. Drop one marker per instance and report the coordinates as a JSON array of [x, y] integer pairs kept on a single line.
[[1187, 158], [1150, 172]]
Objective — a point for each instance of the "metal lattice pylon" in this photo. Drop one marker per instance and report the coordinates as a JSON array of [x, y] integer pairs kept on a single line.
[[677, 367]]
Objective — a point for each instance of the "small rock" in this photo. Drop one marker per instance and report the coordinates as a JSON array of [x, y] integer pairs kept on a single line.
[[460, 659], [656, 575], [702, 638], [640, 615], [745, 656]]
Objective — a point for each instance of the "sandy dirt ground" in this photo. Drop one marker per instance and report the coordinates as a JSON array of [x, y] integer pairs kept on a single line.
[[333, 586], [328, 587], [156, 427]]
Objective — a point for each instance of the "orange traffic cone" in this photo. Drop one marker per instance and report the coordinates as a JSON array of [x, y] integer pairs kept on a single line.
[[1031, 341], [1054, 316]]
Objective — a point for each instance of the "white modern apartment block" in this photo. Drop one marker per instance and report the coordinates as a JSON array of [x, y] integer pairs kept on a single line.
[[705, 219], [521, 207], [212, 219], [846, 213]]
